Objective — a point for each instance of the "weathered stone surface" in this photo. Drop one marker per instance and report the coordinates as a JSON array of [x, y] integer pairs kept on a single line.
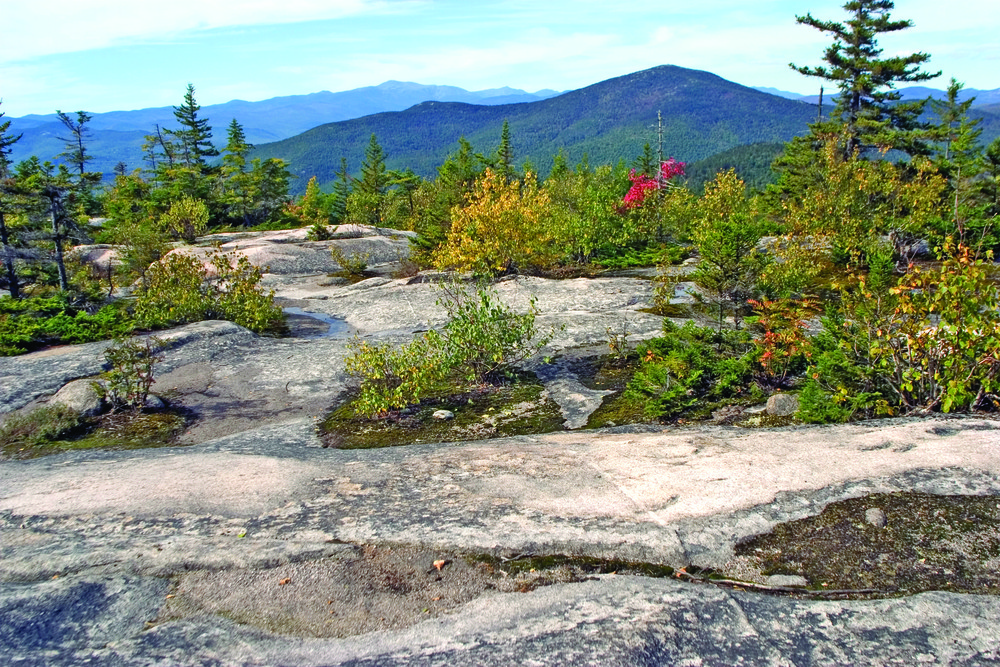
[[257, 490], [80, 396], [287, 252], [269, 497], [443, 414], [782, 405], [781, 580], [876, 517]]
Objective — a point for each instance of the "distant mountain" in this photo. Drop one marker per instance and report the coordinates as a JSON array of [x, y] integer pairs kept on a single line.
[[703, 114], [983, 97], [780, 93], [118, 135]]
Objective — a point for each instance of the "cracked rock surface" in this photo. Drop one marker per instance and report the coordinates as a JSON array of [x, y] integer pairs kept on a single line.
[[218, 553]]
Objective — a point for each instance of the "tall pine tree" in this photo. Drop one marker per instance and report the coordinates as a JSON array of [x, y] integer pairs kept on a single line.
[[869, 113], [195, 135], [7, 141]]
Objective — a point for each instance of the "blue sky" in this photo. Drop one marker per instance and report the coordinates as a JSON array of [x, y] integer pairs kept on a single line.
[[104, 55]]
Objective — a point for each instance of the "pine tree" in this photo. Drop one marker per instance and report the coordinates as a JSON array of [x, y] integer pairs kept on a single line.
[[341, 191], [6, 202], [868, 111], [647, 162], [237, 183], [369, 195], [505, 154], [6, 143], [76, 150], [195, 135]]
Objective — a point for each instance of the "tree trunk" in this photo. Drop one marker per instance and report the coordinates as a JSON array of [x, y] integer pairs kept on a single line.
[[57, 238]]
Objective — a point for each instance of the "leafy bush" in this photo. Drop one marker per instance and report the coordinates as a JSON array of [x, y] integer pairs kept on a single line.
[[483, 337], [504, 226], [482, 340], [130, 377], [353, 265], [186, 219], [394, 377], [180, 290]]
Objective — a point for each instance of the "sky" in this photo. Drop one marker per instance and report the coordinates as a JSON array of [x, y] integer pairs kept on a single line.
[[105, 55]]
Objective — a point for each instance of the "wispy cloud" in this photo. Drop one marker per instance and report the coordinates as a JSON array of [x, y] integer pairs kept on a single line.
[[46, 27]]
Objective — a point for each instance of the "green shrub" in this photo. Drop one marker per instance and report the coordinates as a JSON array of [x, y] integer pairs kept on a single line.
[[689, 364], [31, 323], [817, 406], [130, 377], [485, 338], [482, 340], [394, 377], [353, 265], [22, 434], [319, 231], [180, 290]]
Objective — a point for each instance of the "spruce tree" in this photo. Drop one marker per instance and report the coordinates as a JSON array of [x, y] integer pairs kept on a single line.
[[76, 150], [505, 154], [7, 141], [195, 135], [341, 191], [868, 111]]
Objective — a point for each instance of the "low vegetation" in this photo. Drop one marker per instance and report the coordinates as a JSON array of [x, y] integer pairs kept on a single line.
[[888, 223]]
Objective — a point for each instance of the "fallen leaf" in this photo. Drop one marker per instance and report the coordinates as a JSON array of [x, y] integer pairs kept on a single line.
[[438, 564], [169, 596], [286, 580], [436, 599]]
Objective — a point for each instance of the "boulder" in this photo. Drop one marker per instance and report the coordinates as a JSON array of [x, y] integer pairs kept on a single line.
[[782, 405], [81, 396], [876, 517]]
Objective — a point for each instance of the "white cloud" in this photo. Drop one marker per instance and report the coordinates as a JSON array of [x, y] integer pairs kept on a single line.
[[46, 27]]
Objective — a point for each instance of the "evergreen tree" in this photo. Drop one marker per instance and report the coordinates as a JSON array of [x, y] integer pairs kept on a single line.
[[341, 191], [6, 205], [195, 135], [374, 175], [959, 154], [6, 143], [237, 184], [868, 112], [647, 162], [560, 165], [504, 160], [76, 150], [368, 199]]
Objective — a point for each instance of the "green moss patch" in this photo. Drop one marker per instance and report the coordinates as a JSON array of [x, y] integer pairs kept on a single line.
[[51, 430], [929, 542], [518, 407]]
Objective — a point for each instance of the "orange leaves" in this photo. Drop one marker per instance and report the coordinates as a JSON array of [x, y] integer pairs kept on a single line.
[[503, 225]]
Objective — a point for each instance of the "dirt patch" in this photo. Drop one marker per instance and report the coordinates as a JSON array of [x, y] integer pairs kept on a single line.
[[365, 589], [928, 542]]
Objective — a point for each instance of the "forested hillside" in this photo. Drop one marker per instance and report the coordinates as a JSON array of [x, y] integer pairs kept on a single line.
[[703, 114]]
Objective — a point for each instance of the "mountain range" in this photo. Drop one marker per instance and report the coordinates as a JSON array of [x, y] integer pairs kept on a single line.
[[118, 135], [419, 125]]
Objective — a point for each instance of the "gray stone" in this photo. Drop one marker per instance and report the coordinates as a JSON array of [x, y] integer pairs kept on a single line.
[[443, 415], [154, 402], [80, 396], [782, 405], [876, 517], [787, 580]]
